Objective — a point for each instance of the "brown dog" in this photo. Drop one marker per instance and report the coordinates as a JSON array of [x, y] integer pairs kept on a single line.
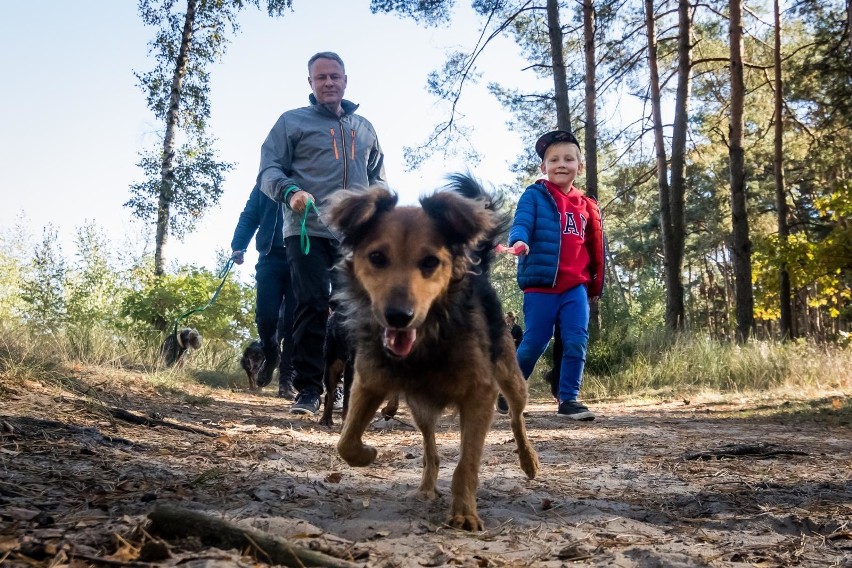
[[427, 323]]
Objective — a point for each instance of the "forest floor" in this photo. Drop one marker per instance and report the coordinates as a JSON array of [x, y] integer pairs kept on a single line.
[[712, 481]]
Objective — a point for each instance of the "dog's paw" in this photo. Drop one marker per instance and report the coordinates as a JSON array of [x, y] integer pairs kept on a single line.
[[529, 463], [424, 494], [469, 522], [358, 456]]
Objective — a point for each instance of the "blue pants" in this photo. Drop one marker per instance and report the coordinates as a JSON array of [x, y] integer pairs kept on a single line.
[[541, 312], [274, 308]]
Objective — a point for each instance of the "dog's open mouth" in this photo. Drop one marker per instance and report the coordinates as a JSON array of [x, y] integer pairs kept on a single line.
[[398, 342]]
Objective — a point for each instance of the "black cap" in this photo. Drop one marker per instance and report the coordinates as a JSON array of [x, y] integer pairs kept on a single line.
[[553, 137]]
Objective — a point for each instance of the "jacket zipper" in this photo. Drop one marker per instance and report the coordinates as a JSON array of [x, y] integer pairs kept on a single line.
[[343, 143], [559, 249]]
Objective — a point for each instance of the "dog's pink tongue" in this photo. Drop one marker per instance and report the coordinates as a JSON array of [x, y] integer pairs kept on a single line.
[[400, 341]]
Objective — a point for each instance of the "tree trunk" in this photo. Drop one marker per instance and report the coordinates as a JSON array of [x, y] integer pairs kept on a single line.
[[167, 167], [672, 318], [591, 130], [741, 246], [674, 284], [786, 322], [560, 78]]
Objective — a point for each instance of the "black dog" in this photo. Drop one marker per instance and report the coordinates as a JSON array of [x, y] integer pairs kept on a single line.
[[176, 345], [339, 360], [552, 376], [251, 361]]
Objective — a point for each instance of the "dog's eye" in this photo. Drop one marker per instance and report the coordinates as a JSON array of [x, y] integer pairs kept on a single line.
[[378, 259], [429, 263]]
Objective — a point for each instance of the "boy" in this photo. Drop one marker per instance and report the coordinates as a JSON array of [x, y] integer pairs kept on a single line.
[[558, 235]]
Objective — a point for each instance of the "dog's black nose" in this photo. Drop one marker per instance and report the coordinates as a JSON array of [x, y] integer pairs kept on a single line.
[[398, 317]]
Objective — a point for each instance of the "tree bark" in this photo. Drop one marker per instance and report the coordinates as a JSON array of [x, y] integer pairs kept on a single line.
[[675, 311], [560, 78], [167, 168], [786, 322], [591, 130], [672, 317], [741, 248]]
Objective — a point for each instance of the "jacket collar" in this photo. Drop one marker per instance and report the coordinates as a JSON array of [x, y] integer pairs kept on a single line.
[[348, 106]]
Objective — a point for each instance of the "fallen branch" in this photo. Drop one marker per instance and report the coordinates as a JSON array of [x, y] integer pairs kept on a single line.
[[128, 416], [762, 450], [170, 521]]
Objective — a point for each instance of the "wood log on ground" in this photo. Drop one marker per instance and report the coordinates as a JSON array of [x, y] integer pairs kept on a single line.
[[759, 450], [128, 416], [169, 521]]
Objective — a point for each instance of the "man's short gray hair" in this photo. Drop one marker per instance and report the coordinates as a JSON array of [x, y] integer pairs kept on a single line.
[[325, 55]]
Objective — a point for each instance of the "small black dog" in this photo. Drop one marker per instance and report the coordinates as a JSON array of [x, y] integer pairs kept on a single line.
[[339, 360], [176, 345], [251, 362], [552, 376]]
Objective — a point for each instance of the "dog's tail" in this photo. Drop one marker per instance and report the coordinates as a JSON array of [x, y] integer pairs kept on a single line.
[[468, 186]]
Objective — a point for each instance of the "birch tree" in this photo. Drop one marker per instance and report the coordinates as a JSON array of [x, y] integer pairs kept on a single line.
[[183, 175]]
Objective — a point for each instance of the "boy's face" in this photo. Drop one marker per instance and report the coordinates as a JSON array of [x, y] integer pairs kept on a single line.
[[561, 164]]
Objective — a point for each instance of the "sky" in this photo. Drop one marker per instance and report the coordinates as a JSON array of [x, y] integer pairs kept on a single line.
[[73, 120]]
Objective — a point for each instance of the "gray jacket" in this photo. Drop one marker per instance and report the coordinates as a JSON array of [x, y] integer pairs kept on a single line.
[[315, 150]]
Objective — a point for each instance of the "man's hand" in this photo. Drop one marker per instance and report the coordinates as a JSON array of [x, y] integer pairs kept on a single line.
[[238, 256], [299, 200]]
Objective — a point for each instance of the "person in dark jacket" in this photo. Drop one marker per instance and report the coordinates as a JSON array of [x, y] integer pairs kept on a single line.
[[262, 219], [558, 235], [310, 154]]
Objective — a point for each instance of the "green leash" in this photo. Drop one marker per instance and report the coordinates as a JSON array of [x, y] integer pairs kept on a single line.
[[304, 240], [223, 274]]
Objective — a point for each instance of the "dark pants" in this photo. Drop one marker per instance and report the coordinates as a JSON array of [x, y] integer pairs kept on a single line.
[[275, 308], [311, 276]]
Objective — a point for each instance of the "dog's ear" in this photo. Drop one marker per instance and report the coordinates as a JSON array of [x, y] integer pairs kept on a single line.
[[462, 221], [354, 212]]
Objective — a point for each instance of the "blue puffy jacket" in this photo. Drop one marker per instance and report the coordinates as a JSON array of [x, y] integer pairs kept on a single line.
[[261, 215], [537, 221]]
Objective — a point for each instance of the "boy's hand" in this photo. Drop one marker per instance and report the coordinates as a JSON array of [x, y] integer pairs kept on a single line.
[[517, 249], [238, 256]]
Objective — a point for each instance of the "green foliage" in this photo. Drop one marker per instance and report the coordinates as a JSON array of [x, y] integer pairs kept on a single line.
[[14, 248], [678, 365], [229, 318], [43, 287], [196, 186]]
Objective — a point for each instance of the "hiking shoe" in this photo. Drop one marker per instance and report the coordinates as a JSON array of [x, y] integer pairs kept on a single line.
[[338, 399], [574, 410], [286, 390], [308, 402], [502, 405]]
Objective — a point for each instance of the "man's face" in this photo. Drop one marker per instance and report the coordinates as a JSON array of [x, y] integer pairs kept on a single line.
[[328, 82]]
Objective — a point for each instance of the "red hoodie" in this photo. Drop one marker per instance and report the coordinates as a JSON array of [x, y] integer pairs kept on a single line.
[[581, 251]]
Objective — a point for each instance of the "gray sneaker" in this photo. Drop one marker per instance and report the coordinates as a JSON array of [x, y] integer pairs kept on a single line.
[[307, 402], [574, 410], [286, 389], [338, 399]]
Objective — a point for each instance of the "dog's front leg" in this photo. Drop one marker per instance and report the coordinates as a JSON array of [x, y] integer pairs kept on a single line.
[[425, 416], [474, 420], [362, 409]]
